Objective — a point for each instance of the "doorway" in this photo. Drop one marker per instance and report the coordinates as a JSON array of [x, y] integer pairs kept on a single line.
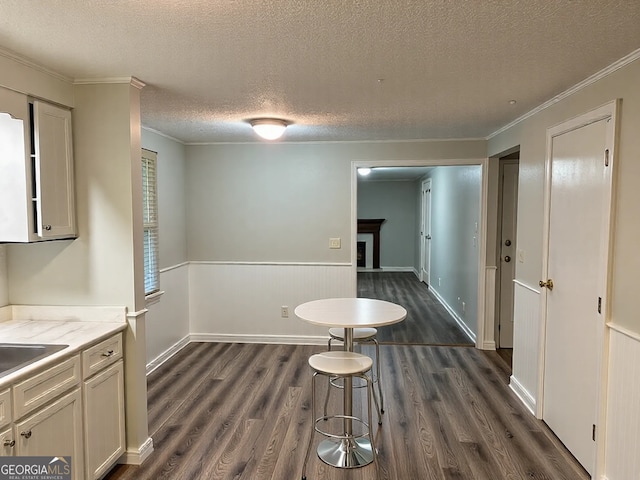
[[575, 277], [507, 248], [469, 230], [425, 233]]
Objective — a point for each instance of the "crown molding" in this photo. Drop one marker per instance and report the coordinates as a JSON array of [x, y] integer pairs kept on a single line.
[[158, 132], [133, 81], [617, 65], [31, 64]]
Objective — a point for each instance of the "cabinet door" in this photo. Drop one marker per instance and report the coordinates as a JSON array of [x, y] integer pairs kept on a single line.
[[55, 430], [54, 171], [104, 420], [7, 442]]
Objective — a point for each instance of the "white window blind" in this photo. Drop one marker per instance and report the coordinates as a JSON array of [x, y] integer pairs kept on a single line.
[[150, 221]]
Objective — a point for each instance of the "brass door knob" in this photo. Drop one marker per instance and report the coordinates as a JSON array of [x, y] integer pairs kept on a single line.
[[548, 284]]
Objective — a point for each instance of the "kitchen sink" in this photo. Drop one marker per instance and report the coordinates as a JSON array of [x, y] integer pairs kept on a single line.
[[16, 355]]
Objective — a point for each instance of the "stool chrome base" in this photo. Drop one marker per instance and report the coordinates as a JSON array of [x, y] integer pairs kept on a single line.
[[346, 453]]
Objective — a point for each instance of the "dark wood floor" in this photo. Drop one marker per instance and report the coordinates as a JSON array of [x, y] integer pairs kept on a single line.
[[427, 322], [241, 411]]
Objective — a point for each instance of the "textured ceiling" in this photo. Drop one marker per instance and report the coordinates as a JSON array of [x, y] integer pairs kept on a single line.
[[338, 70]]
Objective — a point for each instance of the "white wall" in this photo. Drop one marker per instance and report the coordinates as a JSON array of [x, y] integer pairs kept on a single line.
[[455, 222], [623, 394], [168, 318], [268, 210], [395, 202]]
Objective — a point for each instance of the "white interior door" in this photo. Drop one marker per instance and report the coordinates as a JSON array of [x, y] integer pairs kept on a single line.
[[508, 224], [579, 196], [426, 232]]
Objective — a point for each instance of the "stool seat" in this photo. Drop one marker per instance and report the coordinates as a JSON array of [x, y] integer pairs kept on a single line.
[[358, 333], [337, 362]]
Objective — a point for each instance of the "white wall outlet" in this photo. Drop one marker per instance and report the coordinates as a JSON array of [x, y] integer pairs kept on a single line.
[[439, 281], [464, 307], [284, 311], [334, 243], [520, 255]]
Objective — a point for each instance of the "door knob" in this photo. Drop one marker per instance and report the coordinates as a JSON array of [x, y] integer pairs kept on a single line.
[[548, 284], [507, 258], [428, 237]]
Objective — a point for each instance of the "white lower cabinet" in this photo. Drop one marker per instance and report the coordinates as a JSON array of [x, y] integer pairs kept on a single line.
[[7, 442], [54, 430], [75, 408], [103, 401]]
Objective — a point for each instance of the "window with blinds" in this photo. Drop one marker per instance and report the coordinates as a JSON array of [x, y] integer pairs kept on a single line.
[[150, 221]]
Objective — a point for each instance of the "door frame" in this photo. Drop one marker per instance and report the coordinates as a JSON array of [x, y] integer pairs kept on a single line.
[[607, 111], [423, 225], [499, 227], [485, 339]]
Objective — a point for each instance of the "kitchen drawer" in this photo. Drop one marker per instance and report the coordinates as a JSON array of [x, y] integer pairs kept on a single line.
[[101, 355], [5, 408], [44, 386]]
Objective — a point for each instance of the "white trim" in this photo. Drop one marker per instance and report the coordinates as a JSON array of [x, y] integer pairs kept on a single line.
[[158, 132], [617, 328], [153, 298], [173, 267], [454, 315], [287, 264], [135, 315], [623, 62], [5, 313], [484, 336], [351, 142], [136, 457], [525, 397], [28, 63], [489, 342], [133, 81], [524, 285], [267, 339], [167, 354]]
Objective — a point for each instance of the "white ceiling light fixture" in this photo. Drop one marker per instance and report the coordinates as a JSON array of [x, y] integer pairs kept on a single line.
[[269, 128], [364, 171]]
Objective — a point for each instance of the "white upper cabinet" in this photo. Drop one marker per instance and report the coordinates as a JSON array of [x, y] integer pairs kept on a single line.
[[36, 170]]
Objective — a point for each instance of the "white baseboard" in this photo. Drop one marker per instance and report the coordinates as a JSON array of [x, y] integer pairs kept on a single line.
[[455, 316], [488, 345], [136, 457], [269, 339], [522, 393], [167, 354]]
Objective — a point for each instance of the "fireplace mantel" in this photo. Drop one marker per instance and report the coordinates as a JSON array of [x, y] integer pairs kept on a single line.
[[372, 225]]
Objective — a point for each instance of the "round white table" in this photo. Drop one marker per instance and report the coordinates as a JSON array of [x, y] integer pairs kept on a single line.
[[349, 313]]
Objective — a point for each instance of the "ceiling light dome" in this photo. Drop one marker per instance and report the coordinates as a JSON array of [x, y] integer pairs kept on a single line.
[[269, 128]]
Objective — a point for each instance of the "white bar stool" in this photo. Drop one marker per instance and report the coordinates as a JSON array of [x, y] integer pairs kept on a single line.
[[343, 450], [360, 335]]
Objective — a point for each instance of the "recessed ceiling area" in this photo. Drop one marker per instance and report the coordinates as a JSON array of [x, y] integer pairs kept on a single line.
[[449, 68]]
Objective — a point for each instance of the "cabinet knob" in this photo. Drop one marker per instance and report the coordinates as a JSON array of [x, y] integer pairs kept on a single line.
[[9, 443], [26, 434], [108, 354], [47, 227]]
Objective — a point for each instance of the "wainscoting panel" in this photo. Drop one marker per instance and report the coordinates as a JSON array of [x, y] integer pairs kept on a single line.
[[526, 335], [622, 461], [168, 316], [243, 300]]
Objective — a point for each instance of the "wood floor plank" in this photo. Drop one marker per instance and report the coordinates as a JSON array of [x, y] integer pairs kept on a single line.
[[243, 412], [427, 322]]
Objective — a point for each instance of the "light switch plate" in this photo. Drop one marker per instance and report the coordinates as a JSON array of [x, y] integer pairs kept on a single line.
[[334, 243]]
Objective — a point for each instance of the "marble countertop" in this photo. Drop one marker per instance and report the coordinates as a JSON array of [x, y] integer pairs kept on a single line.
[[76, 334]]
